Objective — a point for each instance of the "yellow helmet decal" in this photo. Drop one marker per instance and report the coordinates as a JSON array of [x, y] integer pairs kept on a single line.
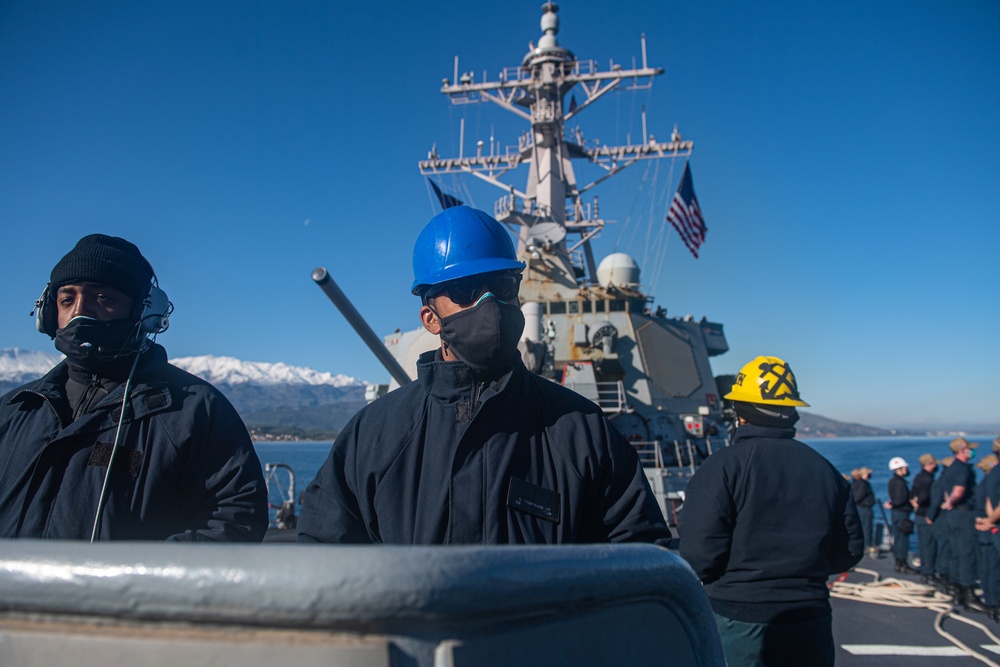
[[777, 381], [767, 380]]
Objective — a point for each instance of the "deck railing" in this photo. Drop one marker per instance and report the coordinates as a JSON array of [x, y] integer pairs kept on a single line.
[[686, 453], [121, 603]]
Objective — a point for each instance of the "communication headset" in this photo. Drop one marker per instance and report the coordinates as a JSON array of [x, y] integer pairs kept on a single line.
[[154, 318], [152, 312]]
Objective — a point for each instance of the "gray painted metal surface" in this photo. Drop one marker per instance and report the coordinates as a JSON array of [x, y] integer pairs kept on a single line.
[[156, 604]]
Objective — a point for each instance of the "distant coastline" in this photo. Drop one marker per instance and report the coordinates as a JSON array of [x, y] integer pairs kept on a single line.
[[285, 434], [816, 426], [810, 426], [281, 403]]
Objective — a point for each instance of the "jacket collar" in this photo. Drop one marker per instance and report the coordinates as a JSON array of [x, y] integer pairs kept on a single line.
[[451, 381], [748, 431], [150, 381]]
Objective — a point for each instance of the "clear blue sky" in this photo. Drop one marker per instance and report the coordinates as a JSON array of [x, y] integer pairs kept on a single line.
[[845, 160]]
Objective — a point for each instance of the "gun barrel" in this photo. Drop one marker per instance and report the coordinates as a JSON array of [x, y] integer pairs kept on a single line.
[[322, 278]]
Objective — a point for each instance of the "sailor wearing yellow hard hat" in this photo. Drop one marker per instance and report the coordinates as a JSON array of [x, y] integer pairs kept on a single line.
[[753, 516]]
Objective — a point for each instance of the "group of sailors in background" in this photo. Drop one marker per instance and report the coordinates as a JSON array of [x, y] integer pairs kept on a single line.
[[954, 517]]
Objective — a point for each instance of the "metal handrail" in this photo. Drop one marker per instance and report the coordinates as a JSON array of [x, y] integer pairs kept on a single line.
[[611, 396], [650, 453]]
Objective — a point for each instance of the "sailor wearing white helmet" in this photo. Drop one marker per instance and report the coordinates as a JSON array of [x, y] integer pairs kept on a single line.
[[899, 504]]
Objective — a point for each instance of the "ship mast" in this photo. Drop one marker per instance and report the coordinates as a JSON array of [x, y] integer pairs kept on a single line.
[[551, 206]]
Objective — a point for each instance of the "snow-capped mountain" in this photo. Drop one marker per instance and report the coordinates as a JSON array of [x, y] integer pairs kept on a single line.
[[265, 394], [18, 366], [232, 371]]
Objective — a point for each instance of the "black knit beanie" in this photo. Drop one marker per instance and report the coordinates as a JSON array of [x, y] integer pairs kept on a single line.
[[773, 416], [107, 260]]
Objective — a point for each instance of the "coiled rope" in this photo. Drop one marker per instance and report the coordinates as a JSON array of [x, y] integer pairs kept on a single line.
[[894, 592]]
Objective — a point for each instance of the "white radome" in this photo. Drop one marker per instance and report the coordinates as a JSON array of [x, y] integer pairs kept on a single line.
[[618, 269]]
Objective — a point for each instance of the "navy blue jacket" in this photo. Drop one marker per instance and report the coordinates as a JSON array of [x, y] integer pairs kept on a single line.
[[863, 494], [185, 468], [765, 522], [448, 459], [921, 490], [937, 495], [961, 474], [899, 493], [991, 488]]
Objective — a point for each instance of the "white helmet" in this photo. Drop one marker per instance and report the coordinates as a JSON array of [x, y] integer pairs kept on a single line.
[[897, 462]]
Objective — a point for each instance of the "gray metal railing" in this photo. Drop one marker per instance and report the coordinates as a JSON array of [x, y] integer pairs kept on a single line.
[[610, 396], [206, 604]]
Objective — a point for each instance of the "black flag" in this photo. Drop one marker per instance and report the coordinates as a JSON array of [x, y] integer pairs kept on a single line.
[[446, 200]]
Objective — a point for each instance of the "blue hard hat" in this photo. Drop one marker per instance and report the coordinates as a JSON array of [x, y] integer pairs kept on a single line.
[[460, 241]]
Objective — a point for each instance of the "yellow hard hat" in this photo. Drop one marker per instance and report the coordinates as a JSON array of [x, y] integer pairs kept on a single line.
[[767, 380]]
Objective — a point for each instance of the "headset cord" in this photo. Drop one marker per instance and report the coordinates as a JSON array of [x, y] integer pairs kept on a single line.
[[114, 446]]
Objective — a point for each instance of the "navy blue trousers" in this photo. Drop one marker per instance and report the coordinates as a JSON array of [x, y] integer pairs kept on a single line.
[[989, 567], [964, 547], [778, 644], [942, 540], [867, 525], [928, 545], [900, 542]]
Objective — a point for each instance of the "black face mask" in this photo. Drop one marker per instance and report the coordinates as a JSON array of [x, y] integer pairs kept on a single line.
[[96, 346], [485, 336]]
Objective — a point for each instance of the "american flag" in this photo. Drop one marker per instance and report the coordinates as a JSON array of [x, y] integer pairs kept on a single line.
[[685, 214]]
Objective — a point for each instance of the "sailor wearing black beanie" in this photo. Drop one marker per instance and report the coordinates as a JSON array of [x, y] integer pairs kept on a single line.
[[93, 303], [114, 442]]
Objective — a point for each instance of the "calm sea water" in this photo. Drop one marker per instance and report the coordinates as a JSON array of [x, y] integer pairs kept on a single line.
[[305, 458], [847, 454]]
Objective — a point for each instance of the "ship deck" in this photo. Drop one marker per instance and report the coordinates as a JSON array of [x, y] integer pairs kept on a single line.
[[870, 633]]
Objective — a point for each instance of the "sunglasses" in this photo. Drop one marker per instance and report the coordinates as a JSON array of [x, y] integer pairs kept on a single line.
[[464, 291]]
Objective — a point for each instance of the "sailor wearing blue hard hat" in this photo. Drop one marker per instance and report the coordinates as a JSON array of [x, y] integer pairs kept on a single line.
[[478, 450]]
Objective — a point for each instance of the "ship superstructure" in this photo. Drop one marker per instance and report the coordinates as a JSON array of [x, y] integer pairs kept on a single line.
[[588, 325]]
